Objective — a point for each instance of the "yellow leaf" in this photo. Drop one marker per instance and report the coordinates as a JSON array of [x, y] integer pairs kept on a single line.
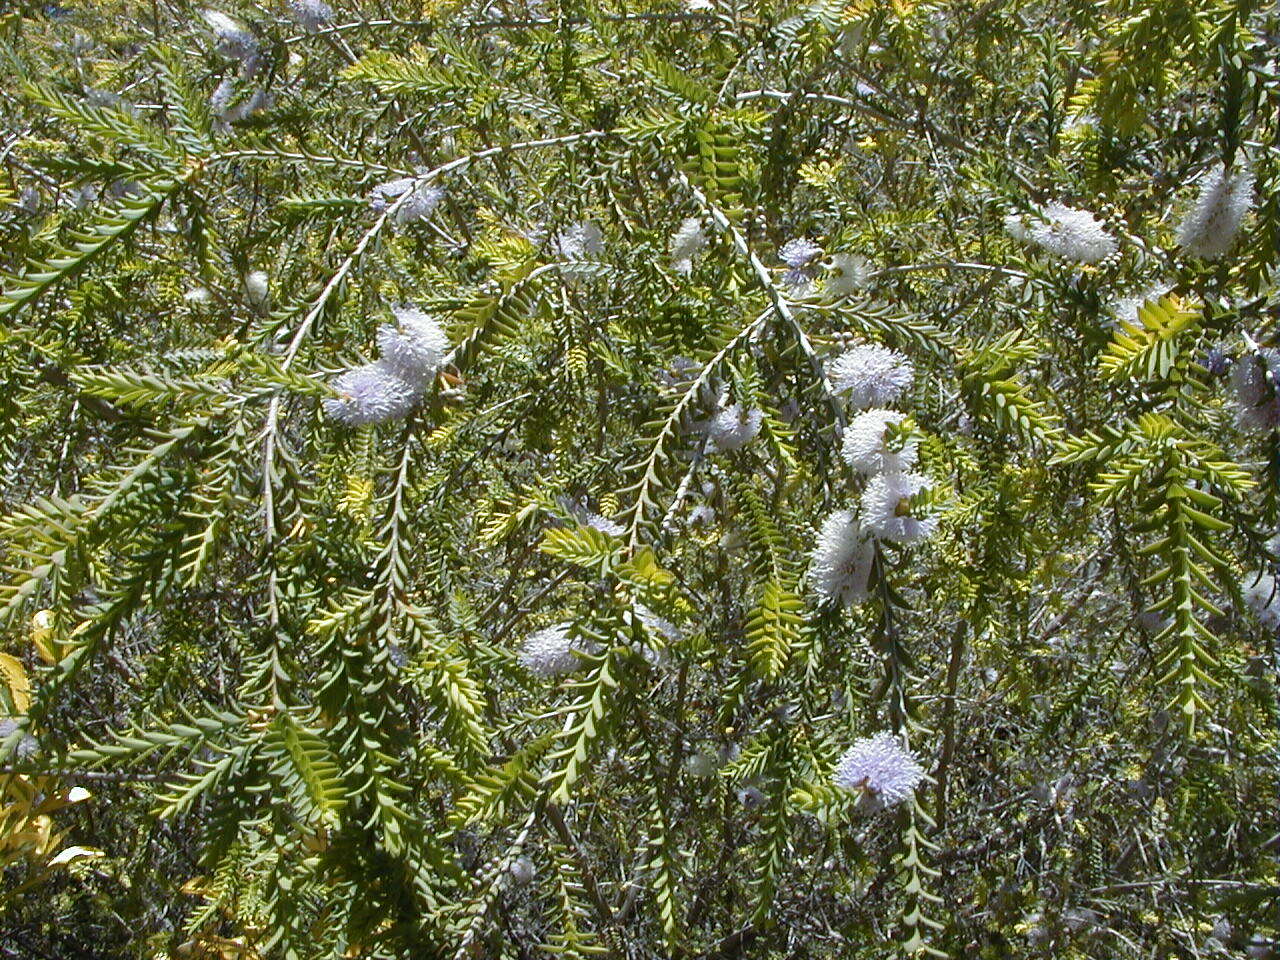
[[42, 635], [16, 679]]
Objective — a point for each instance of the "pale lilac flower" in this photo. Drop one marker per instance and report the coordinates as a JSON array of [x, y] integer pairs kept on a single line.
[[1213, 222], [1258, 404], [867, 448], [414, 348], [552, 651], [841, 562], [234, 41], [1262, 595], [799, 255], [702, 515], [732, 428], [606, 526], [311, 15], [872, 375], [370, 394], [884, 508], [226, 110], [799, 252], [26, 747], [422, 201], [882, 767]]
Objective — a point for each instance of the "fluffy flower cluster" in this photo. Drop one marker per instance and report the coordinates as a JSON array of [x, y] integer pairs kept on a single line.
[[27, 745], [1258, 403], [686, 244], [234, 41], [257, 289], [1126, 308], [882, 767], [840, 567], [1262, 594], [552, 651], [1213, 222], [422, 199], [884, 503], [733, 427], [368, 394], [848, 274], [579, 241], [414, 347], [576, 246], [1064, 232], [311, 15], [799, 255], [872, 375], [841, 562], [387, 389], [867, 447], [226, 109]]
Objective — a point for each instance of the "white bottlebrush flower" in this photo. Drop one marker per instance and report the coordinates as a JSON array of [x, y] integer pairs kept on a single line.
[[1064, 232], [522, 871], [1257, 401], [658, 625], [1016, 226], [841, 561], [732, 428], [198, 295], [311, 15], [575, 247], [686, 244], [579, 241], [848, 274], [866, 446], [701, 764], [872, 375], [370, 394], [552, 651], [220, 99], [1262, 594], [234, 40], [415, 347], [882, 767], [257, 289], [884, 503], [422, 201], [1213, 222], [1126, 308]]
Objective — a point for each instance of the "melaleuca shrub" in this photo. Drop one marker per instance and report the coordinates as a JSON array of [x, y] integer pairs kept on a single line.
[[704, 480]]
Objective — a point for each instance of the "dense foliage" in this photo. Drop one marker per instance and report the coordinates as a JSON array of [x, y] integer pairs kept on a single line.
[[622, 479]]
